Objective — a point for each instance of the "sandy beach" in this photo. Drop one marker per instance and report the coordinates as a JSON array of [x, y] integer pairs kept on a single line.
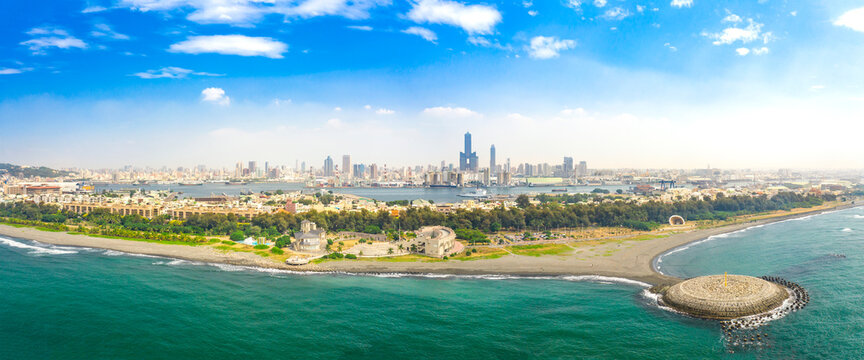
[[631, 259]]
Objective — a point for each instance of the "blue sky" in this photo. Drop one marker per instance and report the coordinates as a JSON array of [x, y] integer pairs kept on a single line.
[[619, 83]]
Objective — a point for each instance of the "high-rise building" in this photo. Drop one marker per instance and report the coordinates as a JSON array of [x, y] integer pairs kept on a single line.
[[568, 166], [303, 167], [583, 169], [373, 172], [359, 171], [328, 166], [238, 170], [492, 158], [252, 168], [346, 166], [468, 158]]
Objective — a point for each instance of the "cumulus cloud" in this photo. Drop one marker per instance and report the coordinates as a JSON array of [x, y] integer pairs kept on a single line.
[[171, 72], [853, 19], [450, 112], [732, 18], [474, 19], [50, 37], [425, 33], [215, 95], [383, 111], [231, 45], [246, 12], [616, 13], [599, 3], [742, 51], [105, 30], [93, 9], [730, 35], [547, 47], [574, 4], [682, 3], [761, 51]]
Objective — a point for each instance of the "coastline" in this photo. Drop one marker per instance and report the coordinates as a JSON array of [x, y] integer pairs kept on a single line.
[[634, 262]]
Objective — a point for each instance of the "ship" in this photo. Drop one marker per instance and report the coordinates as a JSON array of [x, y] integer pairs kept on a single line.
[[476, 194], [235, 183], [442, 186], [559, 190], [190, 183]]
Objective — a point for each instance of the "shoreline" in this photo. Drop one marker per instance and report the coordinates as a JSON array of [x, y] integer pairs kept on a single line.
[[636, 262]]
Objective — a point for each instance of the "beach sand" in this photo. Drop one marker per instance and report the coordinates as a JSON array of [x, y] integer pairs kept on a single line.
[[630, 259]]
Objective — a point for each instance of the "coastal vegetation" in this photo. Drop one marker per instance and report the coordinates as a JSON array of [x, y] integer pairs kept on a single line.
[[470, 225]]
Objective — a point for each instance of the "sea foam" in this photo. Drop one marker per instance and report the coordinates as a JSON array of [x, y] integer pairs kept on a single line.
[[36, 249]]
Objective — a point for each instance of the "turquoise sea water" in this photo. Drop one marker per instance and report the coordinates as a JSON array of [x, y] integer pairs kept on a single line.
[[72, 303]]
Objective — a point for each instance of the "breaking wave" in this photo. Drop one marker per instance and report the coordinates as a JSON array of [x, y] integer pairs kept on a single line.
[[38, 248]]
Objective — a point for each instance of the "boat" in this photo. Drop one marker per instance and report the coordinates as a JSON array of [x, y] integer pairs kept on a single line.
[[442, 186], [297, 261], [476, 194], [190, 183], [559, 190], [235, 183]]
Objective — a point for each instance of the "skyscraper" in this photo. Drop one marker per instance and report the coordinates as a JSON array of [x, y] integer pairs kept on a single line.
[[467, 158], [492, 159], [346, 166], [583, 169], [373, 172], [328, 166], [568, 166], [252, 168]]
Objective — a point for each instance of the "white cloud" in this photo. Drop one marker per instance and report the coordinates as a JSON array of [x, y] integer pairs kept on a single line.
[[671, 48], [11, 71], [231, 45], [681, 3], [793, 13], [730, 35], [817, 87], [215, 95], [574, 4], [246, 12], [383, 111], [616, 13], [93, 9], [104, 30], [367, 107], [577, 112], [474, 19], [599, 3], [742, 51], [532, 12], [337, 108], [640, 8], [761, 51], [360, 27], [450, 112], [334, 124], [732, 18], [853, 19], [48, 37], [171, 72], [543, 47], [425, 33]]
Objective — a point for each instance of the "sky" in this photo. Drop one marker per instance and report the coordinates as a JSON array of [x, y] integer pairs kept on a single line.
[[616, 83]]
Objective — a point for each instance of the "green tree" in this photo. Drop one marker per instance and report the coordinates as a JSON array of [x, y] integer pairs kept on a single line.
[[523, 201], [238, 235]]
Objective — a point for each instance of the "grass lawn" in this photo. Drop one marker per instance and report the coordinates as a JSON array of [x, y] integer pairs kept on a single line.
[[540, 249]]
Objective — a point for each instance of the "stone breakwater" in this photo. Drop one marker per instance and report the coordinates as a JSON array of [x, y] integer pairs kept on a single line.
[[725, 297]]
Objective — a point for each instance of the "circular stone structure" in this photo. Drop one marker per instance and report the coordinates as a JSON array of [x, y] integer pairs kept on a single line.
[[708, 296]]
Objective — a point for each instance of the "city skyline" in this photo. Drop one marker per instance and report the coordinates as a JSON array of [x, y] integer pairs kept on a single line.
[[640, 84]]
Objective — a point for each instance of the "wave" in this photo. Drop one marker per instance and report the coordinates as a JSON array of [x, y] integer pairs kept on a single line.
[[856, 216], [39, 250], [846, 230]]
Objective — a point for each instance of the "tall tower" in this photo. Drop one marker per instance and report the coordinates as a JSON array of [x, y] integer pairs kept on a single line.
[[492, 159], [467, 158], [328, 166], [346, 166]]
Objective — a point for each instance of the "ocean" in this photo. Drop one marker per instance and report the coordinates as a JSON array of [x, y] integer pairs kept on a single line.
[[73, 303]]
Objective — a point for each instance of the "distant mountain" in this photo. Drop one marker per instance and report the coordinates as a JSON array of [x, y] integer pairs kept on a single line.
[[27, 171]]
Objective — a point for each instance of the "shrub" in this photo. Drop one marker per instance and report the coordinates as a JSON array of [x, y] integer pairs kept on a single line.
[[445, 258], [238, 235], [350, 256], [474, 250], [277, 251], [336, 255], [283, 241], [260, 247], [468, 253]]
